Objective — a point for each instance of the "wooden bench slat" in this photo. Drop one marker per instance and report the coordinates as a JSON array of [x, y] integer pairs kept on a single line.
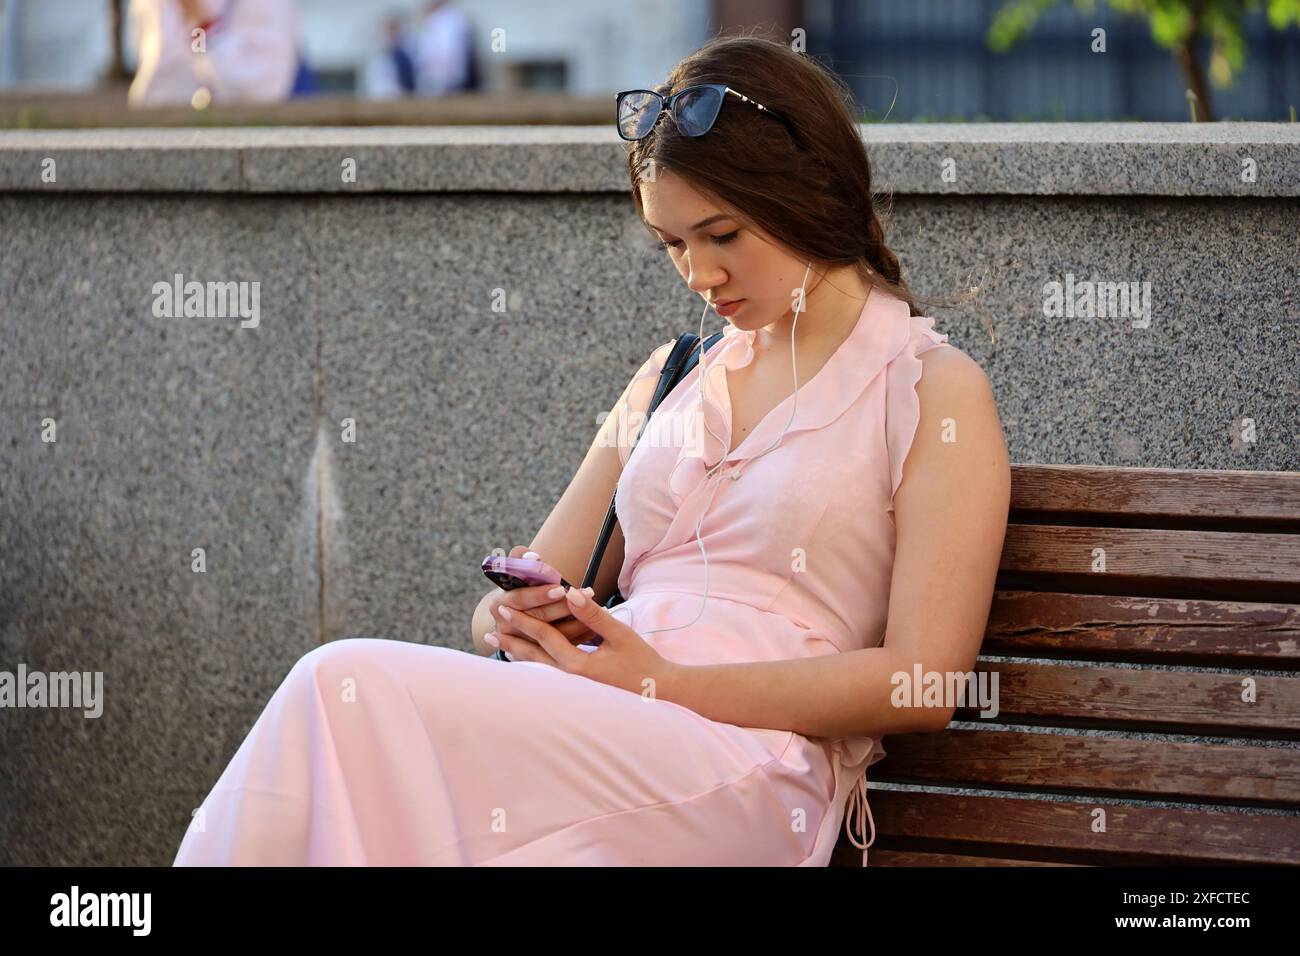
[[1153, 553], [1115, 766], [1200, 564], [1144, 629], [1134, 835], [1119, 698], [1158, 493]]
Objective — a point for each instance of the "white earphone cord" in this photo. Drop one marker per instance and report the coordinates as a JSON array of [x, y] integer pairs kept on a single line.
[[800, 307]]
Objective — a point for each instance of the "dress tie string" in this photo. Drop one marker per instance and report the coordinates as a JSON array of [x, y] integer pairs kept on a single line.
[[857, 807]]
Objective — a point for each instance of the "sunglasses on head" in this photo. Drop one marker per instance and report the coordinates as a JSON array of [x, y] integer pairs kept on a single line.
[[695, 109]]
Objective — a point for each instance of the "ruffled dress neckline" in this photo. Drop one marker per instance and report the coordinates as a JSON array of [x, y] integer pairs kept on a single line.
[[879, 334]]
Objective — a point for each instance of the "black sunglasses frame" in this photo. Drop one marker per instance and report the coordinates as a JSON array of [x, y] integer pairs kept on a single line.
[[667, 104]]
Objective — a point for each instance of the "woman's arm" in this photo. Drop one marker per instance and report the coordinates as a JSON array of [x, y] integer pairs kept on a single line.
[[568, 535], [951, 512]]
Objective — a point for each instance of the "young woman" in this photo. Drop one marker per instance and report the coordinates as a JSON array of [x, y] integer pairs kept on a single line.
[[836, 521]]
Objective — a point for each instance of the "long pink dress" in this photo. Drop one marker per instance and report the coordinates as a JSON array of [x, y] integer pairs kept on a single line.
[[386, 752]]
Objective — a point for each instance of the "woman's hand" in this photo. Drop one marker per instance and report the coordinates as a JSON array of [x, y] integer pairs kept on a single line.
[[536, 602], [623, 660]]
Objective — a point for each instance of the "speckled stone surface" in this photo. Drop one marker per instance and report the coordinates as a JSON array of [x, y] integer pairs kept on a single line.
[[172, 434], [469, 421], [1163, 159], [1223, 342]]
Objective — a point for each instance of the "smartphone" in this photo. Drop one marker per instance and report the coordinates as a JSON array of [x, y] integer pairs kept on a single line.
[[510, 573]]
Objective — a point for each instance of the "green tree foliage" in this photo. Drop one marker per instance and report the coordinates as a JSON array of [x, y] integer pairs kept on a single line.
[[1175, 25]]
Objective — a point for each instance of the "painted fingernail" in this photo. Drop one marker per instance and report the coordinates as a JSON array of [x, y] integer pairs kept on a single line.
[[577, 597], [492, 639], [555, 592], [505, 612]]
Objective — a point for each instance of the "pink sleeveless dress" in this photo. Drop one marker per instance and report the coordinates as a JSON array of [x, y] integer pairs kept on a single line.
[[386, 752]]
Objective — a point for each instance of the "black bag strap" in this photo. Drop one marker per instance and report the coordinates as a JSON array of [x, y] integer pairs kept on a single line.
[[681, 360]]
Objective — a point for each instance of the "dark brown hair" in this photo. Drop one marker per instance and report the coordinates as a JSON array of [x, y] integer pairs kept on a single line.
[[809, 186]]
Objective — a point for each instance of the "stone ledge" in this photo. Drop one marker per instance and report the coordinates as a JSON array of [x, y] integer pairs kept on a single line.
[[1076, 159]]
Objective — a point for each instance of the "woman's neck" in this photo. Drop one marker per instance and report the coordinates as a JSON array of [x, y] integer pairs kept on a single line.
[[834, 305]]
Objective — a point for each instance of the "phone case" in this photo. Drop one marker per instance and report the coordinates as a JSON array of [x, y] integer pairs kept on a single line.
[[509, 573]]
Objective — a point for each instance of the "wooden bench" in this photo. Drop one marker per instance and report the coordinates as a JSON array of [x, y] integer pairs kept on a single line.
[[1198, 601]]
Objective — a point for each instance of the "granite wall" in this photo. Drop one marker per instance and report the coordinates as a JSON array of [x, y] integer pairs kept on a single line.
[[470, 304]]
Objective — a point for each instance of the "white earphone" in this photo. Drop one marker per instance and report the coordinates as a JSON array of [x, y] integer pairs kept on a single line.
[[799, 308]]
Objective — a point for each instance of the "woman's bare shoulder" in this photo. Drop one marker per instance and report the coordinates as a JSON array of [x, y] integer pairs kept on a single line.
[[951, 376]]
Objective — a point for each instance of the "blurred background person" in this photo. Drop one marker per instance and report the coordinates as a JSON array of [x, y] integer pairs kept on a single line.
[[251, 52], [391, 72], [444, 52]]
